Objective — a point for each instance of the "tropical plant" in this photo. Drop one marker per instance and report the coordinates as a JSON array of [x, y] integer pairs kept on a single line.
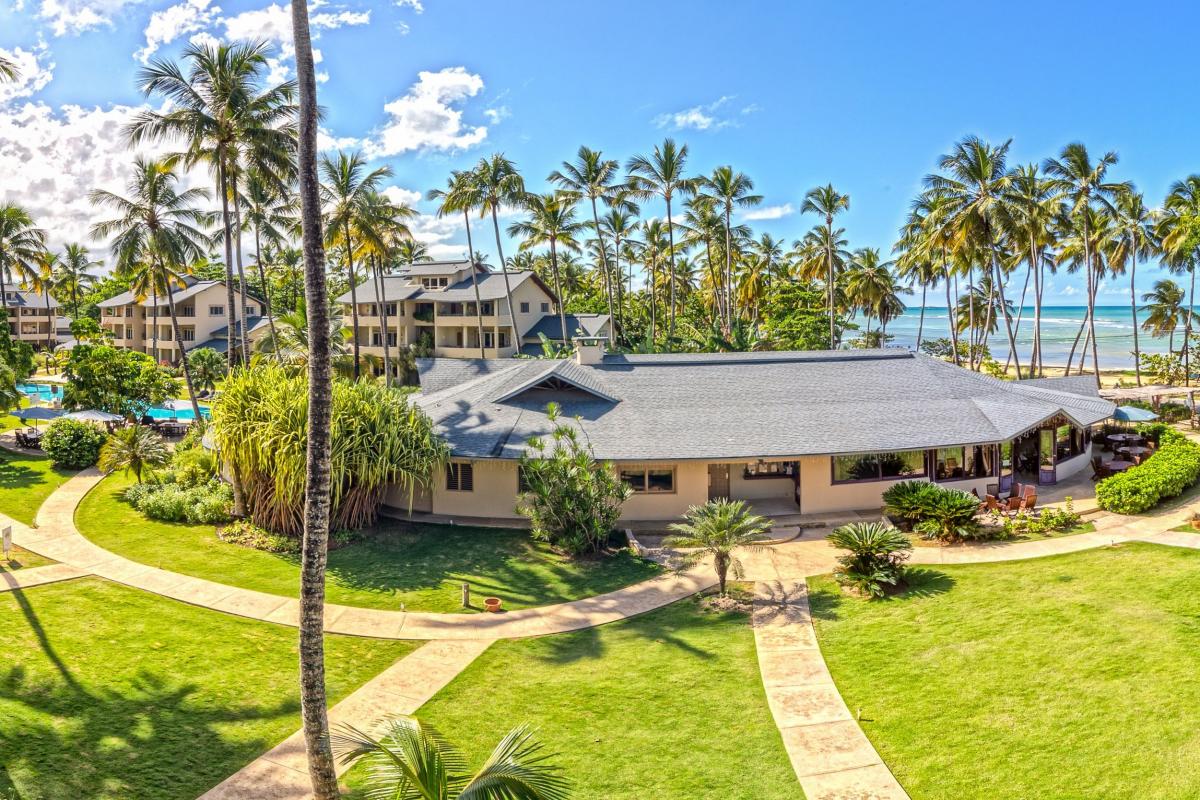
[[411, 760], [1179, 231], [462, 194], [21, 247], [828, 202], [497, 183], [71, 276], [1135, 240], [1164, 303], [909, 501], [728, 190], [949, 516], [292, 339], [115, 379], [718, 529], [72, 444], [875, 563], [8, 72], [1173, 468], [661, 174], [135, 449], [551, 221], [571, 500], [207, 367]]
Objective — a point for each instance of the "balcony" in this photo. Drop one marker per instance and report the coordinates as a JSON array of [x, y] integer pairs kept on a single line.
[[423, 314]]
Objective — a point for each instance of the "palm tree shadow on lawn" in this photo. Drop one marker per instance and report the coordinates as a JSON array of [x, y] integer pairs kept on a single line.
[[17, 475], [921, 583]]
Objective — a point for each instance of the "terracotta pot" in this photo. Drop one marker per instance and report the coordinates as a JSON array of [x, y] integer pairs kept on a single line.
[[491, 604]]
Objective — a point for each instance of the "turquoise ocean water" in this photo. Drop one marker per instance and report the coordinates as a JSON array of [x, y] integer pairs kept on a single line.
[[1060, 324]]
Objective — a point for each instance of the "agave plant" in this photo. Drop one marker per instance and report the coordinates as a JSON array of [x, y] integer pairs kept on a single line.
[[412, 761], [379, 439], [876, 559], [718, 528]]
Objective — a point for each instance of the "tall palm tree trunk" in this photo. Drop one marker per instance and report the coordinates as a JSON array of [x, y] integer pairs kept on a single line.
[[1020, 316], [619, 280], [1137, 352], [562, 316], [1078, 336], [381, 306], [49, 329], [671, 273], [921, 322], [262, 279], [653, 297], [1036, 355], [1187, 325], [952, 314], [1093, 280], [728, 269], [475, 283], [230, 312], [314, 554], [237, 217], [353, 297], [829, 278], [608, 289], [971, 316], [183, 362], [512, 314], [154, 331]]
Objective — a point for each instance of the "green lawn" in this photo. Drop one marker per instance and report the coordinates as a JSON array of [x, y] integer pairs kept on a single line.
[[1064, 677], [422, 568], [107, 692], [20, 558], [667, 705], [25, 481]]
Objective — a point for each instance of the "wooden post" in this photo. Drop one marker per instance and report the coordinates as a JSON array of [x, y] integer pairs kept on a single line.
[[466, 595]]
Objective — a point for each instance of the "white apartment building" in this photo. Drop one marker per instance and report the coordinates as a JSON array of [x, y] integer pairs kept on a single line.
[[29, 319]]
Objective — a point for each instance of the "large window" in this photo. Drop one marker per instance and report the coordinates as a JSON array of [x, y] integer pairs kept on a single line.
[[649, 480], [460, 477], [960, 463], [879, 466], [1068, 442]]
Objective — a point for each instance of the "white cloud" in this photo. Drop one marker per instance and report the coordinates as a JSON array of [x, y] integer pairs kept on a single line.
[[401, 196], [77, 16], [168, 24], [34, 76], [426, 118], [711, 117], [770, 212], [497, 114], [273, 24], [415, 5], [436, 234]]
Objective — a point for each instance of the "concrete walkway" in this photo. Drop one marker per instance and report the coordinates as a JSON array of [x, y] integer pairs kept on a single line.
[[282, 772], [38, 576], [832, 757]]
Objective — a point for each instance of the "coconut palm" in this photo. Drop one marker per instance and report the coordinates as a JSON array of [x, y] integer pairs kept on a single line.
[[159, 226], [656, 246], [1074, 247], [462, 194], [319, 412], [217, 108], [498, 184], [551, 221], [412, 760], [21, 248], [135, 449], [974, 178], [71, 277], [8, 70], [717, 529], [1179, 231], [381, 226], [595, 177], [661, 175], [291, 341], [45, 284], [1083, 185], [207, 367], [729, 189], [345, 190], [1028, 213], [621, 227], [827, 202], [1164, 308], [871, 286], [1135, 240], [410, 251], [270, 214], [702, 225]]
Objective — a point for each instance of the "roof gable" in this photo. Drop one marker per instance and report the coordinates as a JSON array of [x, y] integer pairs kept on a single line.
[[555, 375]]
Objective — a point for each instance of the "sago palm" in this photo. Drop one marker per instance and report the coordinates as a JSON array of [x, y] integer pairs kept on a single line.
[[718, 528]]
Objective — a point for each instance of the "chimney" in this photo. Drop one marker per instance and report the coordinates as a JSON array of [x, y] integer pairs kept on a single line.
[[589, 350]]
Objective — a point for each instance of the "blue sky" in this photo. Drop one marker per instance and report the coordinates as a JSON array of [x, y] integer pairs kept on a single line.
[[865, 95]]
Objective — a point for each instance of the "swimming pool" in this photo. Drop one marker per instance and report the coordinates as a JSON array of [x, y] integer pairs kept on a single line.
[[181, 414], [40, 392]]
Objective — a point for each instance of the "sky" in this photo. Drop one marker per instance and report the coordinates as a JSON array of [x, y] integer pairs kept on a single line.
[[865, 95]]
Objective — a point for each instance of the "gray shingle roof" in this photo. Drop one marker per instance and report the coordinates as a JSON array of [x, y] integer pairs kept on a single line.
[[29, 299], [738, 405], [193, 288], [397, 287], [590, 324]]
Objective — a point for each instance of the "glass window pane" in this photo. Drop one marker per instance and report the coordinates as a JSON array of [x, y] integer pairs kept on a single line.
[[950, 463], [902, 464], [636, 478], [856, 468], [660, 480]]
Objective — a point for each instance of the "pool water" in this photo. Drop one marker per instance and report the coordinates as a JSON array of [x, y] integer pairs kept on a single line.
[[40, 392], [183, 414]]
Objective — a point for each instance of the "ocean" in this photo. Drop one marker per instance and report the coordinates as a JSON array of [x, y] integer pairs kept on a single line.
[[1060, 324]]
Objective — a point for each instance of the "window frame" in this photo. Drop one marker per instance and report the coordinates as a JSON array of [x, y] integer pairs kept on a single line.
[[216, 311], [458, 473], [834, 481], [991, 454], [645, 483]]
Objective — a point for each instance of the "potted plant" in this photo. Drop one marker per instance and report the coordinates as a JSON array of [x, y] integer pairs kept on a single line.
[[491, 604]]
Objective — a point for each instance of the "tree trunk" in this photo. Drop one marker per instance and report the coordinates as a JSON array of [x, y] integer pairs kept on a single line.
[[266, 298], [49, 330], [237, 218], [653, 301], [728, 266], [608, 289], [829, 277], [230, 314], [1020, 315], [1137, 361], [721, 562], [971, 332], [951, 308], [619, 280], [353, 299], [671, 274], [1187, 327], [183, 362], [475, 283], [1093, 280], [512, 313], [921, 323], [1036, 267], [154, 309], [320, 402], [381, 308], [562, 316], [1078, 336]]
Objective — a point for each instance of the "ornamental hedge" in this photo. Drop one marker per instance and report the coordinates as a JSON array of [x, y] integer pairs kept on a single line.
[[1172, 469]]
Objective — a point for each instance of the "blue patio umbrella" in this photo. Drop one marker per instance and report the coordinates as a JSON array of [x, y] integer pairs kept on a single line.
[[36, 413], [1133, 414]]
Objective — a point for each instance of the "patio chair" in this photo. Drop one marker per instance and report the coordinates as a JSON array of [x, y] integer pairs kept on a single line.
[[1028, 499], [1014, 502], [992, 503], [1099, 471]]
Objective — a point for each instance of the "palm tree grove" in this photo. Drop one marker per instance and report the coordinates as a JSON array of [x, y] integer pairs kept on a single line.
[[385, 413]]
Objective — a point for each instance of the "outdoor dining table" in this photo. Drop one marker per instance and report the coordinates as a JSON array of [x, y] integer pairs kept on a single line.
[[1125, 438], [1119, 466], [1134, 450]]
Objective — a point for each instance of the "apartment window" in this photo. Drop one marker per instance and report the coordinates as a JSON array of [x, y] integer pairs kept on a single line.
[[129, 333], [504, 338], [460, 477], [251, 310], [216, 311], [525, 308], [878, 466], [545, 308], [649, 480], [390, 309], [398, 310], [488, 341], [487, 309], [435, 283], [959, 463], [188, 334]]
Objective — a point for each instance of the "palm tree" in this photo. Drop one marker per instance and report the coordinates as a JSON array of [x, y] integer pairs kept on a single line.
[[656, 245], [1029, 210], [462, 194], [661, 175], [1082, 185], [313, 705], [410, 251], [871, 286], [551, 222], [1179, 230], [345, 191], [44, 283], [160, 226], [381, 225], [71, 274], [498, 184], [207, 366], [291, 341], [21, 248], [828, 203], [412, 760], [974, 180], [621, 227], [135, 449], [270, 214], [702, 225], [915, 265], [8, 70], [218, 111], [727, 190], [717, 529], [594, 177], [1073, 250], [1135, 239], [1165, 306]]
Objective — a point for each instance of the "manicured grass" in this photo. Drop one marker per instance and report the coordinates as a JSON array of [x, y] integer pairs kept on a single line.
[[107, 692], [667, 705], [1059, 677], [421, 567], [25, 481], [20, 558]]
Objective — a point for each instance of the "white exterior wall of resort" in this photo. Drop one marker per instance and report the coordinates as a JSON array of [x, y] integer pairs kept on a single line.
[[29, 319], [814, 433]]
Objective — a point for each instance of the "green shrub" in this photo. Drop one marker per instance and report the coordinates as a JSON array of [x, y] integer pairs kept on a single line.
[[208, 502], [193, 467], [247, 534], [1173, 468], [72, 444], [1048, 520], [876, 560], [1152, 430], [950, 517], [909, 501]]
